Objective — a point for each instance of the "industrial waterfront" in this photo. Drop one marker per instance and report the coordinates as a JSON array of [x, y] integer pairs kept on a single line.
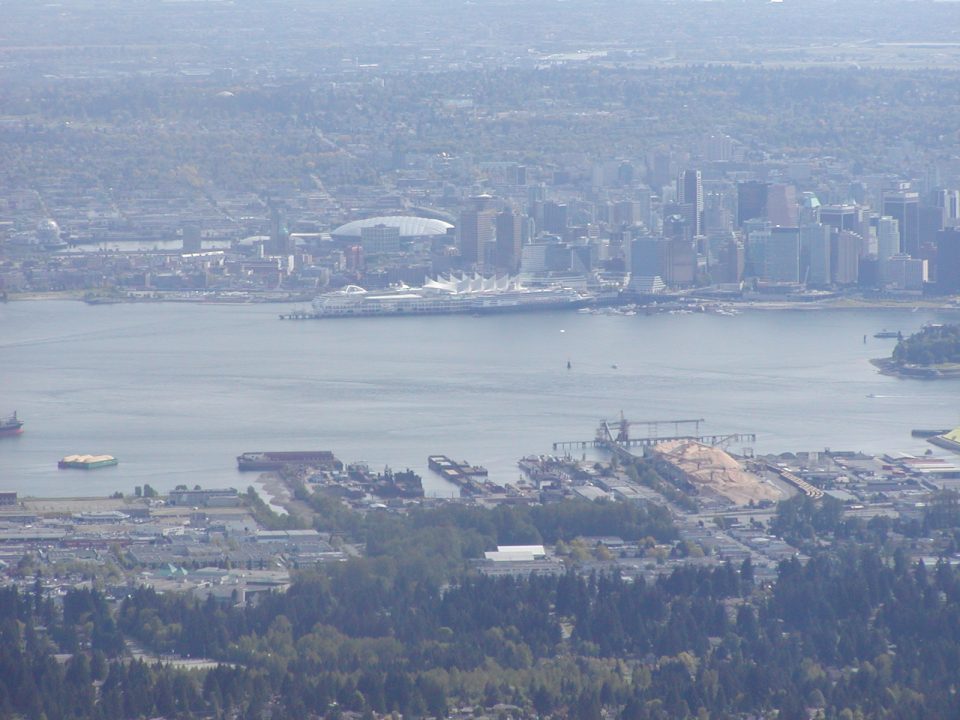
[[176, 392]]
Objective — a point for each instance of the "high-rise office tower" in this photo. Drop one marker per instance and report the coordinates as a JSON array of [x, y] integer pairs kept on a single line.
[[718, 148], [509, 226], [931, 222], [815, 254], [888, 238], [380, 240], [782, 205], [949, 200], [845, 249], [690, 192], [681, 265], [773, 254], [647, 257], [903, 204], [730, 264], [678, 223], [659, 170], [809, 209], [674, 261], [625, 212], [280, 241], [555, 218], [842, 217], [782, 256], [476, 230], [751, 201], [948, 262]]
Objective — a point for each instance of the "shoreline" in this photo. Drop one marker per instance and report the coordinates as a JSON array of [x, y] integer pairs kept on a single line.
[[888, 367], [240, 298]]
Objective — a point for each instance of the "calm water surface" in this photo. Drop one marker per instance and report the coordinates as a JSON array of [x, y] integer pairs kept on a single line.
[[177, 391]]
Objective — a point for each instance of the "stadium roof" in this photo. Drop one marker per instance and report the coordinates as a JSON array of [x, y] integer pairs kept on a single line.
[[409, 225]]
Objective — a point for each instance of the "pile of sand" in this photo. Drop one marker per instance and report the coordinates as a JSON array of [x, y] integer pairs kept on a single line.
[[715, 471]]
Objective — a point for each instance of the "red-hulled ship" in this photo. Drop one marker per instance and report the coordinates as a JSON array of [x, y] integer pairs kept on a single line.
[[11, 425]]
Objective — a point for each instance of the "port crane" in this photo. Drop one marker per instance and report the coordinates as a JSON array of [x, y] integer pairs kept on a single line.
[[604, 433], [615, 435]]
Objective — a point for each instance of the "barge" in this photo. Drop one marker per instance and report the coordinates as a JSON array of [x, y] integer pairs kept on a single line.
[[927, 433], [86, 462], [469, 478], [278, 459]]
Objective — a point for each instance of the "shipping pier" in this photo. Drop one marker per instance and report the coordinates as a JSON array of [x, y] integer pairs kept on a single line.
[[615, 436], [469, 478]]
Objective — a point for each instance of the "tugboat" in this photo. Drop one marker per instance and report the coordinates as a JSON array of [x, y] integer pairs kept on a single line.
[[11, 425]]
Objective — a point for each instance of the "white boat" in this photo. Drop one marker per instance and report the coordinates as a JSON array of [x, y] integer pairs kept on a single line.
[[447, 296]]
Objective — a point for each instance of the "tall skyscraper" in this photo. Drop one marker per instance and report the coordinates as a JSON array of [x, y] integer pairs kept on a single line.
[[773, 254], [845, 257], [509, 226], [625, 213], [948, 262], [809, 209], [280, 241], [888, 238], [782, 205], [904, 205], [658, 173], [842, 217], [678, 221], [931, 222], [730, 262], [380, 240], [718, 148], [782, 256], [690, 192], [555, 218], [476, 230], [949, 200], [751, 201], [815, 254]]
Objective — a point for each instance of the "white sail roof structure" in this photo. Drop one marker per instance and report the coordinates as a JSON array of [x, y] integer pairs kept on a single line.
[[472, 285]]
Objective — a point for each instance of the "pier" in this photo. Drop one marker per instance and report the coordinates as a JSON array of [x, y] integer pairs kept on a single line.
[[469, 478], [299, 315], [615, 436]]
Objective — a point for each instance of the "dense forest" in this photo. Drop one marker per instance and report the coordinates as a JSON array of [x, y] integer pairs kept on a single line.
[[851, 633], [933, 345]]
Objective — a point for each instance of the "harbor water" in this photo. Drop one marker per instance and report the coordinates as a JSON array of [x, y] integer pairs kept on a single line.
[[177, 391]]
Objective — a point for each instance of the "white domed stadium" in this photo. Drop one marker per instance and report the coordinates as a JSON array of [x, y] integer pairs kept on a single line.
[[411, 227]]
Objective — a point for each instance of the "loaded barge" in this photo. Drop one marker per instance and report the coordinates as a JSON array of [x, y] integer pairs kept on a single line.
[[469, 478], [86, 462]]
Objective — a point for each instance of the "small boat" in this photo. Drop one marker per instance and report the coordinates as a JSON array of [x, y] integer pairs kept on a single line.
[[11, 425]]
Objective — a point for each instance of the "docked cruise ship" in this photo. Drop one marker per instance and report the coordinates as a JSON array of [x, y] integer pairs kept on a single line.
[[449, 295]]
